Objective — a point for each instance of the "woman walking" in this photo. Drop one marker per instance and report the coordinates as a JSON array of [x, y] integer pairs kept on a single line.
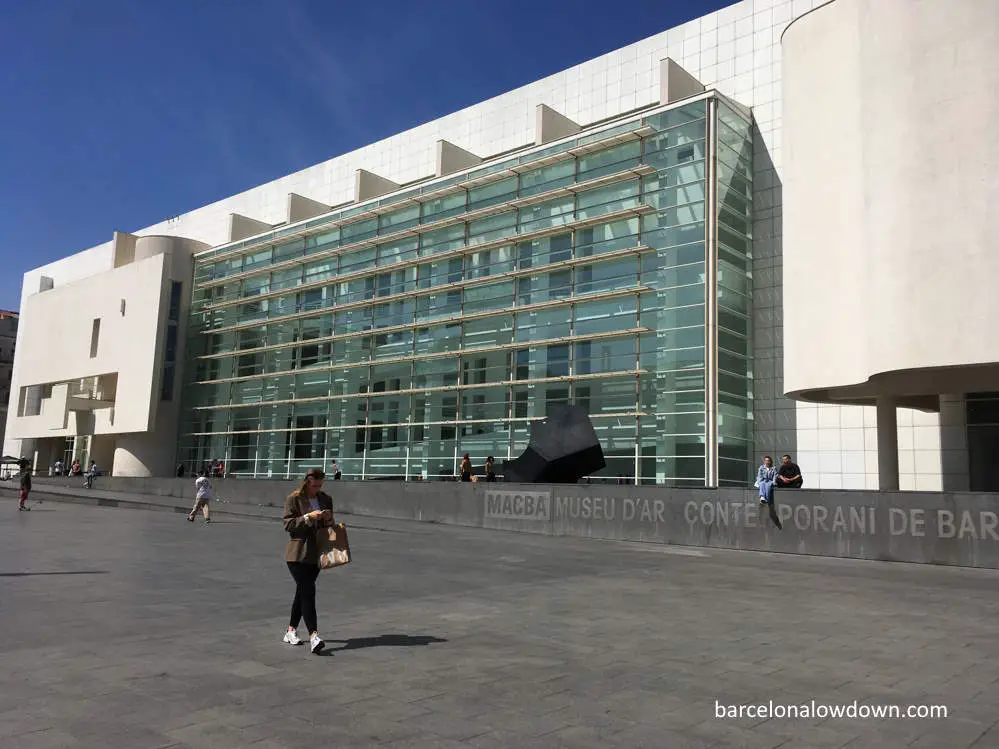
[[466, 468], [306, 511], [202, 496]]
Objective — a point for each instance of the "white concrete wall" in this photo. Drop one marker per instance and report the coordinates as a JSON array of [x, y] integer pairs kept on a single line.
[[55, 332], [890, 188], [889, 256]]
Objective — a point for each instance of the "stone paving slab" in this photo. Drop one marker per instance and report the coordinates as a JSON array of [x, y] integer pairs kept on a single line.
[[139, 629]]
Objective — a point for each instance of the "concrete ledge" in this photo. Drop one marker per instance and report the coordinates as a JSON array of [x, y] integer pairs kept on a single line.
[[955, 528]]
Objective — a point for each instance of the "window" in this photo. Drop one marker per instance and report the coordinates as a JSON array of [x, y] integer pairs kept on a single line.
[[558, 361], [175, 291], [555, 397], [171, 344], [522, 364], [95, 337], [166, 389], [520, 404]]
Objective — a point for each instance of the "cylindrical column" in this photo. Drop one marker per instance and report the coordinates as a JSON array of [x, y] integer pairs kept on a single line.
[[887, 444]]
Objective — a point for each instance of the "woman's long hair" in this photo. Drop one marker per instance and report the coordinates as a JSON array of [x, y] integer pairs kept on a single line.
[[313, 473]]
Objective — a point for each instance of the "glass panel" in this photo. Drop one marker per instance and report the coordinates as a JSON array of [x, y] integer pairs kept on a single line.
[[288, 250], [553, 249], [547, 178], [442, 240], [607, 276], [605, 316], [483, 297], [606, 355], [544, 324], [545, 215], [321, 242], [492, 193], [489, 262], [450, 205], [488, 331], [487, 367], [617, 235], [401, 219], [398, 252], [493, 227], [358, 231], [607, 199], [609, 161]]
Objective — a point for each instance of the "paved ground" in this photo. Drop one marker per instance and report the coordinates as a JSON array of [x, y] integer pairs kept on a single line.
[[136, 629]]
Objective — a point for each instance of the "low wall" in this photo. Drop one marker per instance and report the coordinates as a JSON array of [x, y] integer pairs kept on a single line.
[[930, 527]]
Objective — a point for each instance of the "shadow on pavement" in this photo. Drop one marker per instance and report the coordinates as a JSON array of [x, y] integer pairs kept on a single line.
[[33, 574], [383, 641]]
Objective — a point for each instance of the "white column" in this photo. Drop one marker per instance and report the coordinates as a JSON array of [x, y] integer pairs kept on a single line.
[[711, 304], [887, 444]]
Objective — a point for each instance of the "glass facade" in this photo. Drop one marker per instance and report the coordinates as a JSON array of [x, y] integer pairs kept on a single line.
[[399, 334], [734, 345]]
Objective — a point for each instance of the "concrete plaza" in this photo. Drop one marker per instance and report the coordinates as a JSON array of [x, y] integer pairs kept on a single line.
[[137, 629]]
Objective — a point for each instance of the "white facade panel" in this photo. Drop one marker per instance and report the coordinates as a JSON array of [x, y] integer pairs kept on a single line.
[[887, 202], [56, 332]]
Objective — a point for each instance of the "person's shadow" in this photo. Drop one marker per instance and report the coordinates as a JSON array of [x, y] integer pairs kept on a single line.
[[383, 641]]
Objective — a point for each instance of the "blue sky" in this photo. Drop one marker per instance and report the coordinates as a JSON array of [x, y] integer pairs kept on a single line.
[[118, 114]]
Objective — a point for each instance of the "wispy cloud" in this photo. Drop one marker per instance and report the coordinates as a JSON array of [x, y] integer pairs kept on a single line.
[[314, 63]]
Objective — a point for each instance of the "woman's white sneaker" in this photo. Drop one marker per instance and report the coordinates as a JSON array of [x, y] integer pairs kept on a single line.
[[317, 644], [291, 638]]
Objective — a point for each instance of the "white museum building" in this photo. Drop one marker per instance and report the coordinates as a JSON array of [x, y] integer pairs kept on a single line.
[[761, 232]]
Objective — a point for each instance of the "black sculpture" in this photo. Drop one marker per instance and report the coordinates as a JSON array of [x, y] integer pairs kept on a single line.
[[563, 448]]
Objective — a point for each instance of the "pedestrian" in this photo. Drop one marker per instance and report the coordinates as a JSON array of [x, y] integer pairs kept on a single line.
[[91, 475], [202, 496], [466, 468], [336, 472], [490, 470], [25, 489], [306, 511]]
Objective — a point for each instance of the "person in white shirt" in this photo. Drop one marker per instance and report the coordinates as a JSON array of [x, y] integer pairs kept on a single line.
[[90, 475], [202, 496]]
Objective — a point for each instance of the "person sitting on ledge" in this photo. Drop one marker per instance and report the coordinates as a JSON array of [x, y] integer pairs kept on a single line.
[[788, 475], [765, 478]]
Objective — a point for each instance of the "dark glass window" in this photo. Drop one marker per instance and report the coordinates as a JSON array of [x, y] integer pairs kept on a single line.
[[175, 291]]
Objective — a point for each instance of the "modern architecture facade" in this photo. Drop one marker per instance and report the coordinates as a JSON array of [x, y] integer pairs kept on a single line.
[[402, 332], [729, 239]]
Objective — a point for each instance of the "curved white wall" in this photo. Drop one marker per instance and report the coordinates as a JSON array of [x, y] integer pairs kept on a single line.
[[178, 249], [891, 190]]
